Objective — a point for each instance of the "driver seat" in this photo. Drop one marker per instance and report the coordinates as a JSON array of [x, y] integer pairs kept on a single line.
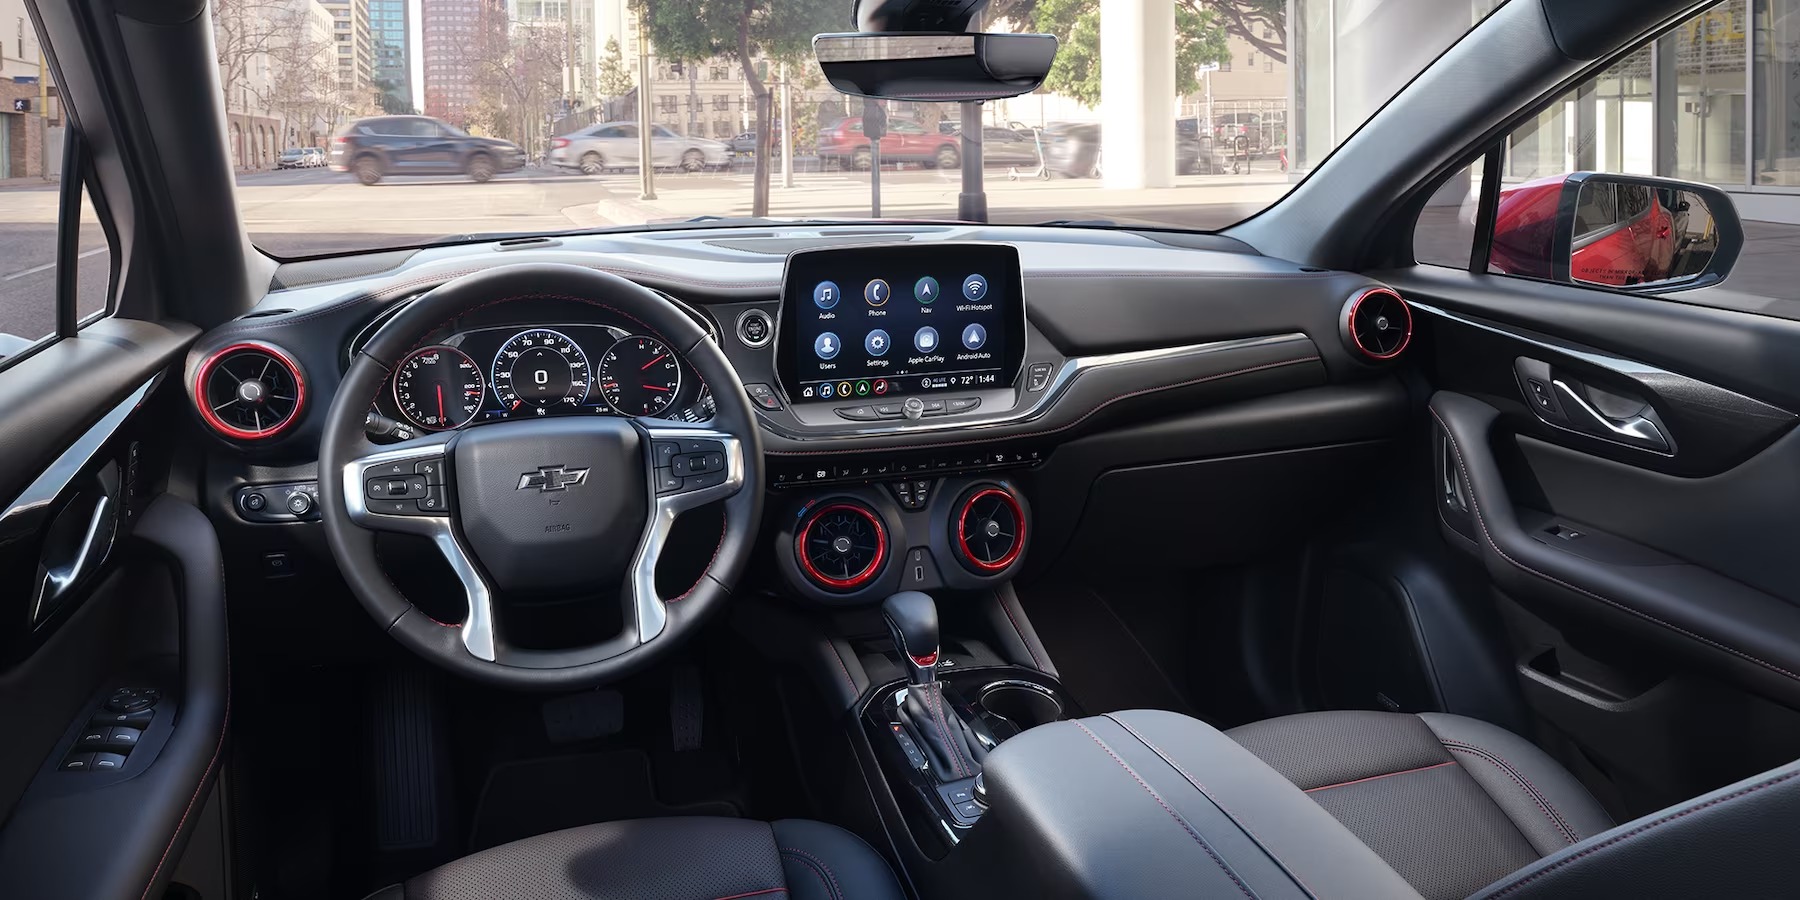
[[698, 858]]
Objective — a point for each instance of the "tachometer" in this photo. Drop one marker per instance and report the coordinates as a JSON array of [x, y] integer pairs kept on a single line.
[[539, 370], [639, 376], [438, 388]]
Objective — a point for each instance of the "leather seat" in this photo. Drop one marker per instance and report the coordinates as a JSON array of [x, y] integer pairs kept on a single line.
[[1452, 804], [666, 859]]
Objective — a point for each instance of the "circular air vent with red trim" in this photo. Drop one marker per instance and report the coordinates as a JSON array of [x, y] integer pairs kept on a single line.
[[988, 529], [841, 546], [1377, 324], [249, 391]]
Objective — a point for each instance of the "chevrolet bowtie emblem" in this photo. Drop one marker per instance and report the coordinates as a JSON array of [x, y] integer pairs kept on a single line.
[[552, 478]]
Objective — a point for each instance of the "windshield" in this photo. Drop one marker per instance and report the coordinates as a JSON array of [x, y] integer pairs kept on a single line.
[[444, 119]]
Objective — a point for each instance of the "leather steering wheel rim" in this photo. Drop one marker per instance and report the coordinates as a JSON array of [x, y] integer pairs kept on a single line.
[[344, 446]]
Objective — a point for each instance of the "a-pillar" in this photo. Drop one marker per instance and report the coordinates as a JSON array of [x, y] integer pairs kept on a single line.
[[1137, 93]]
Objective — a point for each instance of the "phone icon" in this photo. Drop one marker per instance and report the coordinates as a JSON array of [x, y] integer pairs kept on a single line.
[[877, 292]]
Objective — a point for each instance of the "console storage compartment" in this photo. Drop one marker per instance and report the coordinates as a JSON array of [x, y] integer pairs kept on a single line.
[[1149, 803]]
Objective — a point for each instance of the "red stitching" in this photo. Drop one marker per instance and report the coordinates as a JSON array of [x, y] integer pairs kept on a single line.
[[1537, 796], [1327, 787], [1170, 810], [1030, 434], [773, 890], [843, 668], [1634, 833], [1481, 521], [836, 890], [935, 700], [709, 564], [1015, 624]]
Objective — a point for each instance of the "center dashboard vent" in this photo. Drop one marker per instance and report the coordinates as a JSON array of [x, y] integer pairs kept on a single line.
[[1377, 325], [989, 528], [841, 546], [249, 391]]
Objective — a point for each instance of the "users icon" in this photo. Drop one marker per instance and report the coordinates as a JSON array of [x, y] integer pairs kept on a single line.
[[827, 346]]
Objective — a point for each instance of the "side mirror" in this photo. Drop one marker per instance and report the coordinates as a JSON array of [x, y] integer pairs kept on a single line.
[[935, 67], [1628, 232]]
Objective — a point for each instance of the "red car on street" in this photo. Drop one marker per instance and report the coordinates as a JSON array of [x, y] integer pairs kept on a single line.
[[905, 141]]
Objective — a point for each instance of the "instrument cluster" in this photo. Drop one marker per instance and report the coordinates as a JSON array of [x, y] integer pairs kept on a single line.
[[508, 371]]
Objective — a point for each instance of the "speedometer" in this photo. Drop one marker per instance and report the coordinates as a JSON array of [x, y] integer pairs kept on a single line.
[[438, 388], [639, 376], [540, 370]]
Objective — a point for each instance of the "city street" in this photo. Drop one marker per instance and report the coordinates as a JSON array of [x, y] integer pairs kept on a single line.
[[307, 212]]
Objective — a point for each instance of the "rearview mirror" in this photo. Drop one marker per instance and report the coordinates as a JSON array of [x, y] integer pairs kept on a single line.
[[1627, 232], [935, 68]]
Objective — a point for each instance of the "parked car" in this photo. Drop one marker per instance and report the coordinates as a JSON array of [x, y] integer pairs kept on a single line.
[[1006, 147], [615, 145], [380, 146], [1240, 133], [315, 157], [905, 141], [294, 158]]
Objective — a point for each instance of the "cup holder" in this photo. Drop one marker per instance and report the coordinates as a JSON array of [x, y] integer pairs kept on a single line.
[[1013, 707]]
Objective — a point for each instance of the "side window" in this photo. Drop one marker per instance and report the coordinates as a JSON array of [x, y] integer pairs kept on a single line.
[[56, 274], [421, 128]]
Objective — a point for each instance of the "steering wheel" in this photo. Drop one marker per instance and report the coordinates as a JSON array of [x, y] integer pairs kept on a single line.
[[542, 505]]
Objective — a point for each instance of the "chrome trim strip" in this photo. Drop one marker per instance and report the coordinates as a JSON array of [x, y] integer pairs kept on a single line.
[[26, 513], [478, 627], [650, 612], [1070, 370]]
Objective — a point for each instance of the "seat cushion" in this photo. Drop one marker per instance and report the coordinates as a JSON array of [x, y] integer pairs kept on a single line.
[[667, 859], [1451, 803]]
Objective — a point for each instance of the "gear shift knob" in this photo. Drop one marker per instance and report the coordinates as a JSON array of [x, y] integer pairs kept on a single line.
[[912, 619]]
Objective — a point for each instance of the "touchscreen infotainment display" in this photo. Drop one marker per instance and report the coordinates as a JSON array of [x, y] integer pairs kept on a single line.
[[860, 323]]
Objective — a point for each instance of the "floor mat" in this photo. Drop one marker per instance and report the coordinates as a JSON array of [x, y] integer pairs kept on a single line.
[[535, 796]]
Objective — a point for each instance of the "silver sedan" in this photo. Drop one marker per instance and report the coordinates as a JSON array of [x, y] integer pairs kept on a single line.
[[614, 145]]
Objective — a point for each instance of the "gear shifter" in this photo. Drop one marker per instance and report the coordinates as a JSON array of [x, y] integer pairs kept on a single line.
[[950, 746]]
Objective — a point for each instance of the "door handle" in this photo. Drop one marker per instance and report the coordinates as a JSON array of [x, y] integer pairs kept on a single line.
[[76, 544], [1636, 430]]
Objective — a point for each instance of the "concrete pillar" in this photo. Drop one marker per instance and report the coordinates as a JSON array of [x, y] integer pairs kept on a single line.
[[1137, 91]]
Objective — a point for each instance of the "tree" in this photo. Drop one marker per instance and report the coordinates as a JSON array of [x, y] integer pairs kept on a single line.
[[1198, 40], [615, 79], [1246, 19], [518, 73], [752, 31]]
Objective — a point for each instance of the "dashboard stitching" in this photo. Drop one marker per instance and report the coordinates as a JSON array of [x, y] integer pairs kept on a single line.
[[1060, 428], [1482, 521]]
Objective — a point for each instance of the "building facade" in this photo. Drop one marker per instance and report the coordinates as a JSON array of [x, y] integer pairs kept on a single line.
[[447, 28], [391, 72], [30, 114], [354, 48]]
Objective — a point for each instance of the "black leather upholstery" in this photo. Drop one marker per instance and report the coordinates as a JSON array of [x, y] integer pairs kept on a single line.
[[1451, 803], [1149, 803], [1737, 841], [666, 859]]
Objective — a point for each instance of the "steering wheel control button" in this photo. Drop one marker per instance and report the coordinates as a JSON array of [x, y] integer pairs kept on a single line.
[[860, 413], [877, 343], [754, 328], [1038, 376], [962, 404], [912, 408], [826, 295], [827, 346], [665, 452], [667, 481], [703, 480], [391, 470], [877, 292], [974, 337], [975, 287], [432, 469], [925, 290], [436, 501], [762, 395], [925, 340]]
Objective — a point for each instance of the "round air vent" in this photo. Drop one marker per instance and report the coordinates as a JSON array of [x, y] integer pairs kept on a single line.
[[989, 529], [841, 546], [1377, 324], [249, 392]]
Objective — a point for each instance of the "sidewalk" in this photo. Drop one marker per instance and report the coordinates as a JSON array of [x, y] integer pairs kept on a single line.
[[27, 182], [930, 194]]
